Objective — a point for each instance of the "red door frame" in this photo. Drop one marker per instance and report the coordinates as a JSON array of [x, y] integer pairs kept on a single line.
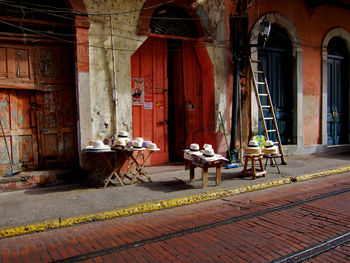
[[208, 92], [207, 134]]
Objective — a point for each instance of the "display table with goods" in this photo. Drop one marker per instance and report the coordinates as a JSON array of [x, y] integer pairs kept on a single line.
[[203, 159], [135, 156]]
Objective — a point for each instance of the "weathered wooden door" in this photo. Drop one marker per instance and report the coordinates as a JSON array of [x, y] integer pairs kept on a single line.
[[16, 113], [56, 106], [150, 116], [18, 121], [336, 115], [38, 107], [278, 73]]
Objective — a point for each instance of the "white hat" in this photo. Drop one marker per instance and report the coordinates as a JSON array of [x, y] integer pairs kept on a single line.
[[253, 144], [206, 145], [269, 144], [209, 155], [208, 152], [152, 146], [120, 143], [139, 139], [270, 148], [98, 146], [123, 134], [194, 149], [253, 147], [137, 145]]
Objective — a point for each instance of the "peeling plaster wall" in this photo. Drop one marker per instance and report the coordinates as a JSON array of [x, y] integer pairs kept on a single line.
[[126, 41], [217, 51], [102, 72]]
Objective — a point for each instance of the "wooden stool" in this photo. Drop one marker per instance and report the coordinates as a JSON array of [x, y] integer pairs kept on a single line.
[[253, 171]]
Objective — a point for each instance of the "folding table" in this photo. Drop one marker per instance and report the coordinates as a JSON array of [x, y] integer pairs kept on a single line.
[[113, 165], [136, 170], [113, 168]]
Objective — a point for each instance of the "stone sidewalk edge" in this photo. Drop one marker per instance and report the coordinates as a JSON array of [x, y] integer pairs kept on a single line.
[[161, 204]]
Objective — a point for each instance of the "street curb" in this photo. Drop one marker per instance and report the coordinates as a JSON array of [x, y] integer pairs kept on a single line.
[[162, 204]]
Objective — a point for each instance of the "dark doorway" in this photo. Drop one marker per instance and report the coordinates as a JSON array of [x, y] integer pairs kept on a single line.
[[337, 92], [277, 61], [176, 113], [185, 123]]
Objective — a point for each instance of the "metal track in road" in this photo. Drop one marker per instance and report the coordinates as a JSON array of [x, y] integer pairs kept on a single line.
[[102, 252], [315, 250]]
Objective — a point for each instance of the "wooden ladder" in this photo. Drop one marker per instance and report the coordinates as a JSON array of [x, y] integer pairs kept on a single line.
[[261, 89]]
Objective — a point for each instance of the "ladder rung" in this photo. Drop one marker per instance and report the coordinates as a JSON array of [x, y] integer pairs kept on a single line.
[[255, 61], [260, 83], [259, 72], [268, 118], [271, 130], [265, 106], [263, 94]]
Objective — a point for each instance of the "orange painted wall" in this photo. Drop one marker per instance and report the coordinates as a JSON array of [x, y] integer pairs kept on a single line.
[[312, 25]]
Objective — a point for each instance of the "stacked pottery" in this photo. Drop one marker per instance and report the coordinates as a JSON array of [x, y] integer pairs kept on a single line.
[[270, 148], [253, 148]]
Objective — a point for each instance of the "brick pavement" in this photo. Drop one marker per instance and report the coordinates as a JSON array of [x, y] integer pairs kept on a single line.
[[256, 239], [49, 208]]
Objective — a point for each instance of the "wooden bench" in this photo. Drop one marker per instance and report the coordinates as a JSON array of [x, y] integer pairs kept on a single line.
[[193, 162]]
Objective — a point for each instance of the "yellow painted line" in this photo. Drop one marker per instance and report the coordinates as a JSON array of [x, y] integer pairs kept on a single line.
[[161, 204], [338, 170]]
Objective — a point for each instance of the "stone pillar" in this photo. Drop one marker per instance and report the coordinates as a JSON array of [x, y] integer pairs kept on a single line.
[[84, 125]]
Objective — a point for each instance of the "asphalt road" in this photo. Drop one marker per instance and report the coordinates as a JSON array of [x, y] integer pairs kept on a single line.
[[290, 223]]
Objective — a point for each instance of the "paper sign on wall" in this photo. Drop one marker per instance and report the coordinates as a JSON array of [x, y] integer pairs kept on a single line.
[[148, 102], [137, 91]]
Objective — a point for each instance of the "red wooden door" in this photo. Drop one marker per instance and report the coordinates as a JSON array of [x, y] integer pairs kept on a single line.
[[185, 104], [155, 62], [149, 63], [192, 95]]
